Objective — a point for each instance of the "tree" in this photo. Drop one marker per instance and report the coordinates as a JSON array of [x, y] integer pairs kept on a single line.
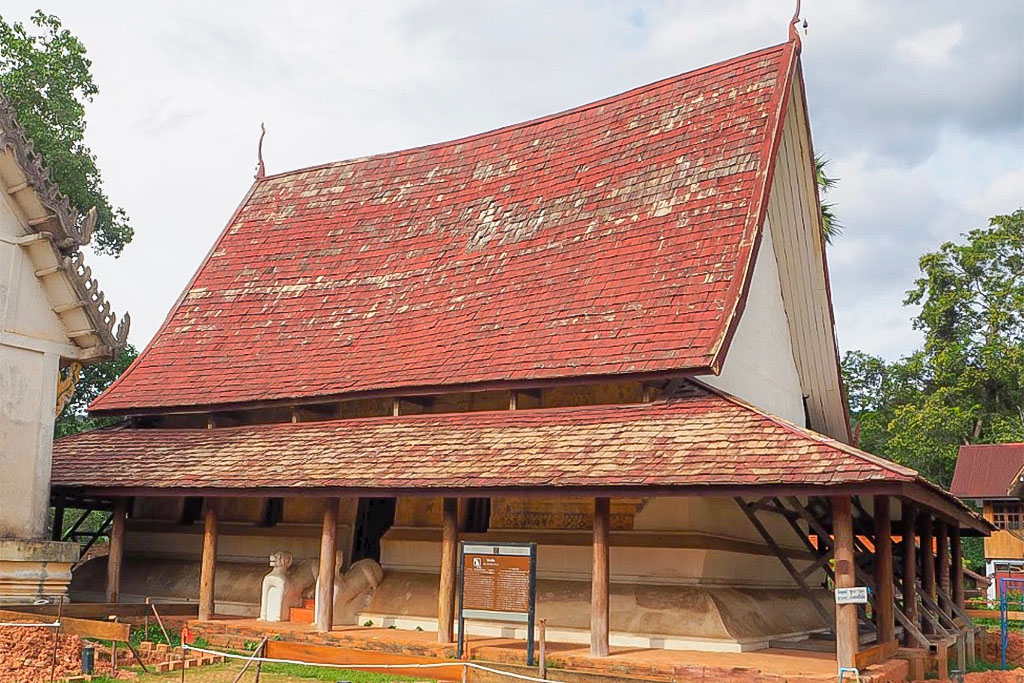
[[45, 74], [830, 225], [964, 386], [93, 380]]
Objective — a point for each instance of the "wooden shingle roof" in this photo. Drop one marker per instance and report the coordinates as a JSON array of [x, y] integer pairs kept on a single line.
[[611, 239]]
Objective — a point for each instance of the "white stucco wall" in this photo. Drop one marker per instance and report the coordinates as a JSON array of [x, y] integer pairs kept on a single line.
[[30, 337], [759, 365]]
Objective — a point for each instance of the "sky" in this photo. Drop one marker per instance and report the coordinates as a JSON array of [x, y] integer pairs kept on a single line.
[[918, 105]]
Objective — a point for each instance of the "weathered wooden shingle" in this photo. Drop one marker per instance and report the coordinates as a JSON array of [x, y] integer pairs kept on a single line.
[[698, 437], [608, 239]]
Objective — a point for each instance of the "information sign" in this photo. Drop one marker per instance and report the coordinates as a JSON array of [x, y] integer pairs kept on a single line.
[[498, 582]]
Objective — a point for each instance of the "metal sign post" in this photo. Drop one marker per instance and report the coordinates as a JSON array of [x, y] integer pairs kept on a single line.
[[498, 582]]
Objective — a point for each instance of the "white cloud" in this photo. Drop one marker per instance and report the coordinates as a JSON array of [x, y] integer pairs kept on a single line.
[[932, 46]]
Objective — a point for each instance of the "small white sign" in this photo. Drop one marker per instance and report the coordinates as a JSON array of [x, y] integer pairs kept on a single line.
[[858, 595]]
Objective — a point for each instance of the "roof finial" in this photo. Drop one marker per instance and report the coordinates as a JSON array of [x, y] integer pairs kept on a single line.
[[794, 34], [260, 168]]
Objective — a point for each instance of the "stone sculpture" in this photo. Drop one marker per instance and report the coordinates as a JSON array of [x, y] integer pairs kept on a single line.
[[354, 588], [280, 592]]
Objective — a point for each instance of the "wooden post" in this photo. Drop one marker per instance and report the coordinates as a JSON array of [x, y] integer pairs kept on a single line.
[[208, 565], [449, 571], [57, 531], [599, 580], [323, 616], [846, 615], [957, 560], [910, 571], [942, 564], [927, 564], [884, 615], [116, 554]]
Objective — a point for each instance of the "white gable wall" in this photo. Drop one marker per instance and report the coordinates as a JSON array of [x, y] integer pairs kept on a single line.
[[759, 366]]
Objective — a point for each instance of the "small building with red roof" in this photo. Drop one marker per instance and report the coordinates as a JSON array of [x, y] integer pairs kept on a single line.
[[989, 475], [607, 331]]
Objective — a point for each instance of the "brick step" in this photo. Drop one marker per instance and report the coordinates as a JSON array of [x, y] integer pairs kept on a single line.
[[301, 615], [308, 603]]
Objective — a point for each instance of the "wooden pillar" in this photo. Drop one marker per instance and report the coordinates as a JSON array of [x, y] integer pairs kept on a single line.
[[884, 614], [449, 571], [942, 563], [208, 565], [910, 572], [846, 615], [599, 579], [116, 554], [957, 560], [927, 563], [323, 616]]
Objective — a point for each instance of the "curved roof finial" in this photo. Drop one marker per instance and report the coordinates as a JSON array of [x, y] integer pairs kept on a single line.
[[794, 34], [260, 168]]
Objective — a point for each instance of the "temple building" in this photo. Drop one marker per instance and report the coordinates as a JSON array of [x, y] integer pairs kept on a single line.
[[607, 331], [53, 319]]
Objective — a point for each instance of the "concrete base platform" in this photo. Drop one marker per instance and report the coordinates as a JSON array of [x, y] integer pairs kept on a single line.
[[31, 571], [571, 660]]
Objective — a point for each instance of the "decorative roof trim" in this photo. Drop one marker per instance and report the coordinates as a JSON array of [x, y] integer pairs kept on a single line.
[[72, 230]]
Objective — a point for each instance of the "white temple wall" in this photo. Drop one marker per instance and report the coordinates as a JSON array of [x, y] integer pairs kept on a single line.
[[759, 366], [31, 337]]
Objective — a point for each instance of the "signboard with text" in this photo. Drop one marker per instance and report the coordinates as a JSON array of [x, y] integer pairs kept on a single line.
[[498, 582], [857, 595]]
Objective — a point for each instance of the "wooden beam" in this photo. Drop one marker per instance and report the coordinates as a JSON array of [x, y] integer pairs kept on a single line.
[[599, 582], [324, 605], [115, 556], [957, 560], [449, 571], [208, 562], [909, 585], [846, 615], [942, 559], [884, 616], [927, 563], [87, 628], [748, 510]]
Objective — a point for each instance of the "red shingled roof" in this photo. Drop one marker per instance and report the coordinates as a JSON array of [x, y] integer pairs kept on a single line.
[[613, 238], [987, 470], [698, 437]]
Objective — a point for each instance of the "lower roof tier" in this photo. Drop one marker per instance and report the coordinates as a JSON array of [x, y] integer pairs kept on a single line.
[[696, 440]]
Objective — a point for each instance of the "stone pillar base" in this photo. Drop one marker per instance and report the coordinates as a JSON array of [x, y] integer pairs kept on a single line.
[[31, 571]]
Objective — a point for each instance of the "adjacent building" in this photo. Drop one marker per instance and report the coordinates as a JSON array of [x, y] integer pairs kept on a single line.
[[53, 319], [985, 475]]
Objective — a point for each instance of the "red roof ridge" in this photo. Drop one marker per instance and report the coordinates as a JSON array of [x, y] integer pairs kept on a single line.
[[668, 80]]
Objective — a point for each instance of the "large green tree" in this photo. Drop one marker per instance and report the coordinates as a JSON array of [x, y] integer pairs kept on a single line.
[[964, 385], [46, 76]]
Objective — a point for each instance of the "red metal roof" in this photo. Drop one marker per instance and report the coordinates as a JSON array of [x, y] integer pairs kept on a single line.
[[986, 470], [613, 238], [696, 438]]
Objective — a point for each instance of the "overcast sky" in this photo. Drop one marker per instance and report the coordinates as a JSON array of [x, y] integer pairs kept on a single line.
[[919, 105]]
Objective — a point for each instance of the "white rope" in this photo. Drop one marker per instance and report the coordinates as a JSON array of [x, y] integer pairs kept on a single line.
[[30, 624], [435, 665]]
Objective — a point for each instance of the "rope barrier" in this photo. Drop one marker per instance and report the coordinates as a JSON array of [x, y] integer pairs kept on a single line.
[[432, 665]]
